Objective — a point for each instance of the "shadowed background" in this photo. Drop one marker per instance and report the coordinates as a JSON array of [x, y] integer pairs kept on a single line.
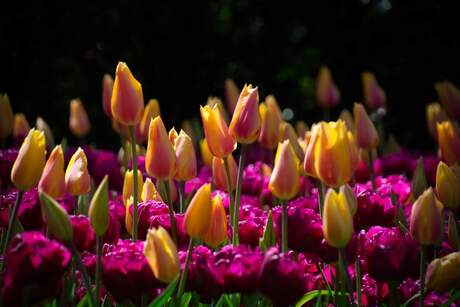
[[51, 53]]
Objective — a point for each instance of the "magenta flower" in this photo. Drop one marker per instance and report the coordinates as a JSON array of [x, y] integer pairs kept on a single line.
[[204, 176], [373, 210], [253, 179], [83, 235], [7, 158], [106, 163]]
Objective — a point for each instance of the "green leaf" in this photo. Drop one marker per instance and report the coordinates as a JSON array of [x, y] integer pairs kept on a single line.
[[268, 239], [161, 300], [312, 295], [106, 302], [409, 301], [185, 299], [84, 301]]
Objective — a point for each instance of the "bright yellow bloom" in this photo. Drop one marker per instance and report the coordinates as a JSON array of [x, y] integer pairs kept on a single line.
[[78, 120], [219, 174], [245, 124], [160, 160], [285, 179], [107, 88], [449, 142], [270, 127], [366, 134], [128, 185], [447, 186], [21, 125], [206, 155], [149, 192], [52, 181], [198, 215], [337, 219], [327, 93], [374, 95], [6, 116], [217, 232], [77, 178], [443, 274], [220, 143], [185, 157], [425, 219]]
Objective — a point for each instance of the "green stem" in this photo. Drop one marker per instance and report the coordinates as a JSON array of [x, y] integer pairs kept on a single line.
[[371, 168], [358, 281], [181, 196], [125, 152], [172, 218], [231, 205], [284, 228], [394, 297], [183, 277], [457, 229], [239, 180], [98, 267], [135, 200], [422, 274], [346, 274], [11, 221], [83, 272]]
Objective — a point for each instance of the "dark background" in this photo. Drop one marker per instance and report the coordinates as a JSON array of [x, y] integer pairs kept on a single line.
[[51, 52]]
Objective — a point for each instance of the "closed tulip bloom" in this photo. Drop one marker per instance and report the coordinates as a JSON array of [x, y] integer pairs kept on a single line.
[[287, 132], [150, 192], [366, 134], [270, 126], [185, 157], [28, 166], [245, 124], [232, 92], [52, 181], [206, 155], [434, 114], [216, 102], [152, 110], [217, 232], [41, 125], [301, 128], [56, 218], [219, 175], [107, 88], [128, 185], [443, 274], [327, 93], [425, 219], [220, 143], [21, 125], [447, 186], [347, 192], [160, 160], [285, 179], [374, 95], [6, 116], [449, 96], [337, 219], [161, 254], [98, 212], [127, 98], [128, 216], [309, 160], [77, 179], [198, 215], [347, 117], [172, 135], [272, 104], [449, 142], [78, 121]]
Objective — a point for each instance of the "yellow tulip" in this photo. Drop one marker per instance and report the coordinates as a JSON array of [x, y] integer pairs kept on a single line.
[[366, 134], [128, 185], [447, 186], [285, 179], [198, 215], [337, 219], [6, 116], [270, 127], [206, 155], [128, 217], [21, 125], [443, 274], [327, 93], [217, 232], [219, 174], [78, 121], [434, 114], [185, 157], [220, 143], [374, 95], [107, 88], [149, 192], [425, 219], [52, 181], [245, 124], [449, 142], [152, 110], [77, 179]]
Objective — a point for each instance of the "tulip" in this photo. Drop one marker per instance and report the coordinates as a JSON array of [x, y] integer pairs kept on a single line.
[[172, 135], [449, 142], [232, 93], [206, 155], [220, 143], [149, 192], [56, 218], [6, 117], [198, 215], [43, 126], [443, 274], [347, 193], [456, 169], [301, 128], [185, 157], [127, 98], [447, 186], [287, 132], [29, 164], [128, 185], [337, 219], [216, 102], [187, 126], [21, 125], [77, 179], [52, 181], [285, 179], [449, 96], [219, 174], [152, 110], [128, 217], [160, 160], [374, 95], [327, 93], [272, 105], [366, 134], [217, 232], [78, 121], [434, 114], [452, 228], [98, 212], [107, 88], [270, 126], [425, 219], [161, 254], [245, 124], [347, 117]]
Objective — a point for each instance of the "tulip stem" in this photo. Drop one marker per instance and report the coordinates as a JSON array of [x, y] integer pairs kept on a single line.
[[371, 169], [284, 228], [358, 281], [83, 272], [394, 298], [98, 267], [457, 229], [346, 274], [231, 205], [422, 274], [171, 212], [125, 153], [11, 221], [135, 187], [239, 180], [181, 196], [183, 277]]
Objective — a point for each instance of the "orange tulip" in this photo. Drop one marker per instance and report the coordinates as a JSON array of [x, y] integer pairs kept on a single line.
[[287, 132], [6, 116], [327, 93], [198, 215], [217, 231], [107, 88], [220, 143], [128, 185], [270, 127], [78, 121], [52, 181], [185, 157], [21, 125], [77, 178], [245, 124], [152, 110], [160, 160], [285, 179], [366, 134], [219, 175], [374, 95], [172, 135], [426, 218], [449, 142], [206, 155]]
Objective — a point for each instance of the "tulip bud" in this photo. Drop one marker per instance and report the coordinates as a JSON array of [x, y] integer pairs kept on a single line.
[[443, 274], [107, 88], [52, 181], [419, 183], [447, 186], [366, 134], [127, 98], [287, 132], [220, 143], [206, 155], [219, 174], [347, 117], [152, 110], [449, 142], [301, 128], [161, 254], [128, 217], [160, 160], [149, 192], [187, 126], [6, 116], [337, 219], [128, 185], [245, 124], [43, 126], [434, 114], [78, 121], [28, 166], [285, 179], [425, 219], [270, 126], [374, 95], [217, 232], [56, 218], [216, 102], [185, 157], [21, 125], [172, 135], [327, 93], [232, 92], [449, 96], [77, 178], [349, 196], [98, 212], [198, 215], [272, 105]]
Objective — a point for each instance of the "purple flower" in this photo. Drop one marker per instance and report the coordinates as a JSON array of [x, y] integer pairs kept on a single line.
[[34, 268], [253, 179], [373, 292], [204, 176], [113, 233], [106, 163], [83, 235], [373, 210], [7, 158]]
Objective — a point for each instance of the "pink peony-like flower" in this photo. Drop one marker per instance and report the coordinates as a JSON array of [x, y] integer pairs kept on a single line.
[[253, 179], [34, 266], [7, 158], [106, 163], [373, 210], [83, 235]]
